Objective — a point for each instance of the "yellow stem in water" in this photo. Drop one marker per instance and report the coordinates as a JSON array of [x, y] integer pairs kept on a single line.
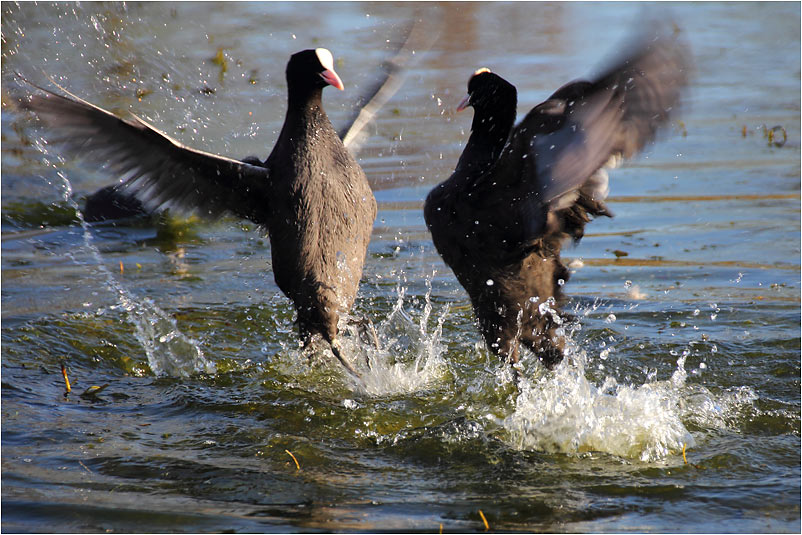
[[66, 379], [487, 526], [297, 466]]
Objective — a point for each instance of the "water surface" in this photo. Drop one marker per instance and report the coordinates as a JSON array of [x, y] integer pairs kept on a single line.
[[689, 342]]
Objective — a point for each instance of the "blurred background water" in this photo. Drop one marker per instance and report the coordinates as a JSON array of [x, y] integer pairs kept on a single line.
[[689, 343]]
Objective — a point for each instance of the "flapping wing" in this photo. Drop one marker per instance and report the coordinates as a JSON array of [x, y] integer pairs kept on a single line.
[[157, 169], [386, 85], [557, 154], [617, 114]]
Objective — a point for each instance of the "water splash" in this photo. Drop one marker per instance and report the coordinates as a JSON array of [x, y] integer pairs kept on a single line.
[[405, 356], [168, 350], [562, 411]]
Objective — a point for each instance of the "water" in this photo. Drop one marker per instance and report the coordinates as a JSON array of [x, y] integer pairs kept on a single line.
[[690, 342]]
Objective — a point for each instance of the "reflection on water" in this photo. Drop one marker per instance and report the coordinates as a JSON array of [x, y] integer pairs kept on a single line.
[[703, 357]]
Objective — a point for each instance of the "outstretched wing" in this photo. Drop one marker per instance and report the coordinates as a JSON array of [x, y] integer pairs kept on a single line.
[[388, 82], [159, 170], [618, 113], [557, 154]]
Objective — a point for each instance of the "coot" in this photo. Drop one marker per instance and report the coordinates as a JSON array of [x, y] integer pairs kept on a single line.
[[310, 194], [519, 191]]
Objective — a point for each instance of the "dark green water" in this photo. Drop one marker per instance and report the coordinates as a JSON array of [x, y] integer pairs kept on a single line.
[[691, 341]]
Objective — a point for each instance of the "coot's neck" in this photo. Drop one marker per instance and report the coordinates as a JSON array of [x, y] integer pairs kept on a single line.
[[302, 99], [305, 114], [489, 132]]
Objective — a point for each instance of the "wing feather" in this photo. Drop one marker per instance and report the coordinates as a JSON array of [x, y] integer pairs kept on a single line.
[[157, 169], [555, 157], [416, 40]]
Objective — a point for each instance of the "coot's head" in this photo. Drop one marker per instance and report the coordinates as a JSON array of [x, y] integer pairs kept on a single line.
[[488, 91], [312, 69]]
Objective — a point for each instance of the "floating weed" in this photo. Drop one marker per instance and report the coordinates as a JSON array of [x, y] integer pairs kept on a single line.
[[172, 231], [773, 135], [220, 60], [38, 214], [93, 391]]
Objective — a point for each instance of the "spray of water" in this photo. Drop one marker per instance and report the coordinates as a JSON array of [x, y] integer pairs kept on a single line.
[[558, 411], [562, 411], [405, 356], [168, 350]]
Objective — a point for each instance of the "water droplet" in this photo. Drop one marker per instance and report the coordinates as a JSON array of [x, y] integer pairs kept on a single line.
[[610, 318], [702, 366], [696, 312], [560, 282], [490, 282], [627, 284]]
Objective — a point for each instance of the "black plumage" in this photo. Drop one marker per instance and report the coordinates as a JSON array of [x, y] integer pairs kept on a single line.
[[310, 194], [519, 191]]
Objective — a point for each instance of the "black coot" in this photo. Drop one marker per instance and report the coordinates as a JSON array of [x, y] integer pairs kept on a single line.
[[310, 194], [519, 191]]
